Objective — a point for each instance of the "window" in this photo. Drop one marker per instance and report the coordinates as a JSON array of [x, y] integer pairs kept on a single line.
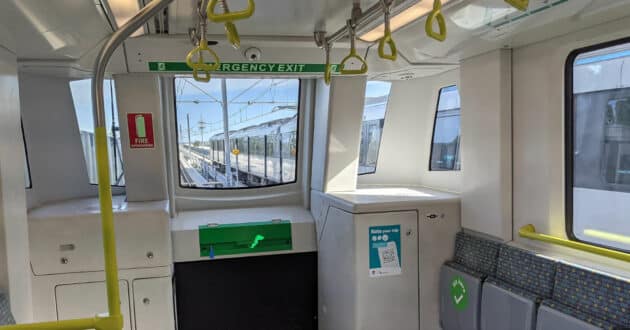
[[598, 145], [446, 132], [82, 98], [376, 97], [237, 133], [27, 167]]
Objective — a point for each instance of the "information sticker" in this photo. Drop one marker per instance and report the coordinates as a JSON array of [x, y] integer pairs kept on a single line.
[[385, 251]]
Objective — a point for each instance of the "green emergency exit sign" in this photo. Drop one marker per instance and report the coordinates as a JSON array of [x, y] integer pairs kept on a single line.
[[250, 67]]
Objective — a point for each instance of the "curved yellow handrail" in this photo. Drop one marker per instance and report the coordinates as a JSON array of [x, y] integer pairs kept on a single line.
[[436, 14], [229, 16], [529, 231], [519, 4], [387, 35], [200, 65], [232, 35]]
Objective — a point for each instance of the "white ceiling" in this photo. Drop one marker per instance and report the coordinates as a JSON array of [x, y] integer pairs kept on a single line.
[[70, 31]]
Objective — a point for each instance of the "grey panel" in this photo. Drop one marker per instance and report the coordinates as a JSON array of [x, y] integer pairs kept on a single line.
[[502, 309], [451, 317], [550, 319]]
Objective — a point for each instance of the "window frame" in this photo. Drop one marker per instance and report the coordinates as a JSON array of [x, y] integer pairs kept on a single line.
[[569, 138], [28, 162], [435, 118], [297, 142], [378, 152]]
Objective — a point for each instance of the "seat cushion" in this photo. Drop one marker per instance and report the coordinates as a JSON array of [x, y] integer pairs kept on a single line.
[[526, 270], [6, 317], [504, 306], [554, 316], [476, 253], [600, 296]]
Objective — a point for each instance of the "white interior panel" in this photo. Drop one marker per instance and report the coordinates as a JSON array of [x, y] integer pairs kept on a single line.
[[486, 144], [152, 300], [407, 135]]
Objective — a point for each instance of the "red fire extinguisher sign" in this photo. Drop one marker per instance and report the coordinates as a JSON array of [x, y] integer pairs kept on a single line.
[[140, 130]]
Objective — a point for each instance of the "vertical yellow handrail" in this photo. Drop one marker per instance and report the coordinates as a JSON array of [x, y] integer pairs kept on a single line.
[[114, 319]]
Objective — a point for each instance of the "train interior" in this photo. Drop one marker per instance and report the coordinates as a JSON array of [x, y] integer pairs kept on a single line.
[[321, 164]]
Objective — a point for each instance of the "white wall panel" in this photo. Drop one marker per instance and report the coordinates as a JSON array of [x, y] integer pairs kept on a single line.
[[145, 168], [538, 78], [407, 135], [487, 144], [14, 254]]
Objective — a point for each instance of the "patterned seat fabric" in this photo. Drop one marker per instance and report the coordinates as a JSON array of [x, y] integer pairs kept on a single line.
[[6, 317], [465, 269], [475, 253], [580, 315], [593, 294], [512, 288], [527, 271]]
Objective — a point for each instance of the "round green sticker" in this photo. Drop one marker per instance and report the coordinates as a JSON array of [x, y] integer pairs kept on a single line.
[[459, 293]]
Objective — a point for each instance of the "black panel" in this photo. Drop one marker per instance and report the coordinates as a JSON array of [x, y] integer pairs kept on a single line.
[[276, 292]]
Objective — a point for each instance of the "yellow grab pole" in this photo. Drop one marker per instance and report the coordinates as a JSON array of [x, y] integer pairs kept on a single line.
[[107, 223]]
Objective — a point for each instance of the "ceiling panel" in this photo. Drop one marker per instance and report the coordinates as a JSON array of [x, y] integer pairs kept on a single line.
[[272, 17], [53, 29]]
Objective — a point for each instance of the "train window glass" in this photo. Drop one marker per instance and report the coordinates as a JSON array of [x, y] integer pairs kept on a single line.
[[446, 132], [376, 98], [27, 167], [598, 145], [237, 133], [82, 98]]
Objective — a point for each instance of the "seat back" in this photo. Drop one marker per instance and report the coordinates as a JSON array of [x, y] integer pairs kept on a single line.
[[601, 296], [6, 318], [526, 270], [476, 253]]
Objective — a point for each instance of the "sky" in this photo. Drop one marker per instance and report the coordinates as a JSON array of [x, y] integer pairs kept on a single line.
[[250, 102], [82, 99]]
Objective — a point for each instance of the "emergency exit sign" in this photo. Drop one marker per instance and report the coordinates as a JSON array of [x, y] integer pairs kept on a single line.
[[250, 67], [140, 130]]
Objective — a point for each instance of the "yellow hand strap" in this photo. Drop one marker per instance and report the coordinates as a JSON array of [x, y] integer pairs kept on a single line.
[[232, 35], [353, 55], [200, 66], [328, 70], [387, 37], [436, 14], [229, 16], [519, 4]]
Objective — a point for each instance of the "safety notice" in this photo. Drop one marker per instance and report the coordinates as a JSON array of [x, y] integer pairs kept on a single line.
[[385, 251], [140, 130]]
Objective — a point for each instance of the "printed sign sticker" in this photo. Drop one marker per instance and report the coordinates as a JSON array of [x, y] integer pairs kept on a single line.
[[140, 130], [459, 294], [385, 251]]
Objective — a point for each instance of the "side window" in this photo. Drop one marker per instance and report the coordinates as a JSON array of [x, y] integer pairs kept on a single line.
[[27, 167], [237, 133], [446, 132], [598, 145], [82, 98], [376, 97]]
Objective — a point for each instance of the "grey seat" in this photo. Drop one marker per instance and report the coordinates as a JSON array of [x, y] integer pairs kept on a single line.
[[510, 299], [585, 300], [460, 281], [6, 318]]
